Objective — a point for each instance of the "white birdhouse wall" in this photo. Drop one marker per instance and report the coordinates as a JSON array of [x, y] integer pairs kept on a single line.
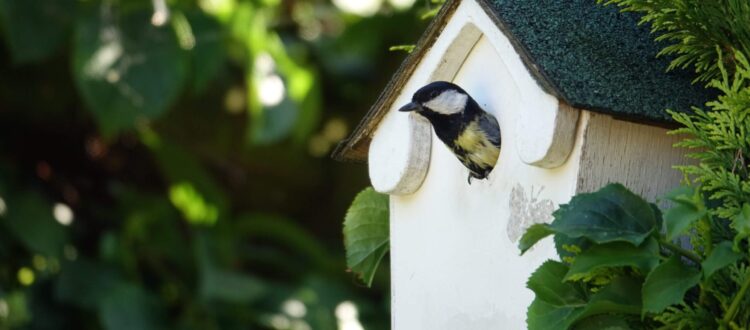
[[454, 260]]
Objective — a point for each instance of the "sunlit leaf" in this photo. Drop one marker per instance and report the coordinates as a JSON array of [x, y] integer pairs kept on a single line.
[[126, 68], [366, 233], [192, 189]]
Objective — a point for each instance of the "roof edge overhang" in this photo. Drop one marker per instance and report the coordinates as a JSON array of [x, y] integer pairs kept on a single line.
[[355, 147]]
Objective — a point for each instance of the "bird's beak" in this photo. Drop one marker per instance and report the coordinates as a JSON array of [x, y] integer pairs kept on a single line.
[[411, 106]]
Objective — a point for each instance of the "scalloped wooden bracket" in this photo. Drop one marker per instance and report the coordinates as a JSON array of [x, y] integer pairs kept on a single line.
[[399, 154], [548, 135]]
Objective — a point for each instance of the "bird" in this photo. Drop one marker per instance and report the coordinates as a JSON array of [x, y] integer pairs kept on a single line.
[[472, 134]]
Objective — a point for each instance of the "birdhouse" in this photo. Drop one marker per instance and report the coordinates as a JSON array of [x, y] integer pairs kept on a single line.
[[580, 98]]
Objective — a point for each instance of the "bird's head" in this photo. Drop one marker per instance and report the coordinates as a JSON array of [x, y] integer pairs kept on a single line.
[[440, 97]]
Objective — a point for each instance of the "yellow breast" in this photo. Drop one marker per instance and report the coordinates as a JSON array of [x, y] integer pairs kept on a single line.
[[479, 149]]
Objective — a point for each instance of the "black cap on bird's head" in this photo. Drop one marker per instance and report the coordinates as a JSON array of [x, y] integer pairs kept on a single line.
[[440, 97]]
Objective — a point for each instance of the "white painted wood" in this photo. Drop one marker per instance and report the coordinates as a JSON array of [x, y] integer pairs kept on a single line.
[[454, 259], [547, 135], [455, 264], [399, 154], [638, 156], [454, 56]]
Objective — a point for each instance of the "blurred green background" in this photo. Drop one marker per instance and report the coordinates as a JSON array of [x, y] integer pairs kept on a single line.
[[164, 164]]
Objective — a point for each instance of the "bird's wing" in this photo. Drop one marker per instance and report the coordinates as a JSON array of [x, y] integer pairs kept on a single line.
[[489, 125]]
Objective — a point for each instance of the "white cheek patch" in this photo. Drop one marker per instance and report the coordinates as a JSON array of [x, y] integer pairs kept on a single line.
[[448, 102]]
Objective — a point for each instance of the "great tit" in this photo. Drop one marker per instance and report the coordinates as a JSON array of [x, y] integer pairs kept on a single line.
[[472, 134]]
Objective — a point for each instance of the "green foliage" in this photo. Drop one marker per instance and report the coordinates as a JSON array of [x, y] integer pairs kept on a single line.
[[116, 57], [722, 255], [557, 303], [667, 283], [366, 233], [704, 285], [688, 208], [608, 275], [166, 167], [614, 214], [720, 140], [532, 235], [695, 29], [610, 255], [36, 29], [31, 220]]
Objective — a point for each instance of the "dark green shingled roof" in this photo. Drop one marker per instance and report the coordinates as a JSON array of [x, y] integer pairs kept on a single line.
[[590, 56], [595, 57]]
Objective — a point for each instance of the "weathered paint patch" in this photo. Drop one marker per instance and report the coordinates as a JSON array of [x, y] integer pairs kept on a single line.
[[526, 211]]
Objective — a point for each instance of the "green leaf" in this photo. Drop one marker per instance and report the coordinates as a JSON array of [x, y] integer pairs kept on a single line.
[[224, 284], [128, 306], [548, 285], [85, 283], [366, 233], [230, 286], [667, 283], [274, 122], [35, 29], [29, 218], [681, 194], [721, 256], [192, 190], [126, 68], [608, 215], [207, 55], [741, 223], [688, 208], [680, 217], [18, 310], [615, 254], [602, 322], [568, 248], [532, 235], [544, 316], [621, 296]]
